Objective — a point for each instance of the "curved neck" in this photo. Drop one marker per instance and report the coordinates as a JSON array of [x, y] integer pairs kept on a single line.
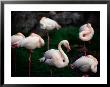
[[64, 56]]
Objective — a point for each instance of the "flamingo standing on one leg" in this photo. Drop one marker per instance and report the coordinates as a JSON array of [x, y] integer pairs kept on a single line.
[[31, 42], [86, 33], [85, 64], [48, 24], [14, 39], [55, 57]]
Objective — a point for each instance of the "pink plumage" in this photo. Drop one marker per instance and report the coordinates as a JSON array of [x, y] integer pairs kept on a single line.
[[86, 32], [55, 57], [31, 42], [49, 24], [86, 63], [16, 38]]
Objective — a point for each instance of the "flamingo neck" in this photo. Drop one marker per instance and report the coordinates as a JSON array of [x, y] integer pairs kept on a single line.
[[64, 56]]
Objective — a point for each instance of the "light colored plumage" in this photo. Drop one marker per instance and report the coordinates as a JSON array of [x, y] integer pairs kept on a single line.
[[48, 24], [31, 42], [86, 63], [16, 38], [86, 32], [55, 57]]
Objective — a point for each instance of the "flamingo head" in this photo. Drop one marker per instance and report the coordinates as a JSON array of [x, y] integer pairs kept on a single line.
[[15, 45], [94, 68], [66, 44], [42, 23], [94, 64]]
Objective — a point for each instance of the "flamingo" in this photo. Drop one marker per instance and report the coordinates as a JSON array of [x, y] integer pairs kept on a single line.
[[31, 42], [16, 38], [48, 24], [55, 57], [85, 64], [86, 33]]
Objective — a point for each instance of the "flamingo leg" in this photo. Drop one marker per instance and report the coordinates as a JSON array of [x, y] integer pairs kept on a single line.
[[14, 59], [30, 61], [51, 72], [48, 40], [85, 50]]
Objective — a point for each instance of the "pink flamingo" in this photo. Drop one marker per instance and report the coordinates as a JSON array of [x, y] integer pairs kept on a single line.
[[86, 33], [14, 39], [85, 64], [48, 24], [31, 42], [55, 57]]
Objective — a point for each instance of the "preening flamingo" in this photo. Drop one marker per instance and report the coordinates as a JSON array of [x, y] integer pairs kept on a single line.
[[86, 63], [14, 39], [48, 24], [55, 57], [86, 33], [31, 42]]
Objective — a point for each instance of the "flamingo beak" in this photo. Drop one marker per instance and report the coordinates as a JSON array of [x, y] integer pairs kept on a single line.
[[68, 48]]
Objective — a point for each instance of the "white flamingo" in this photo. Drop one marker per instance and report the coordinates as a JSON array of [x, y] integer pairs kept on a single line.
[[86, 33], [14, 39], [55, 57], [31, 42], [48, 24], [85, 64]]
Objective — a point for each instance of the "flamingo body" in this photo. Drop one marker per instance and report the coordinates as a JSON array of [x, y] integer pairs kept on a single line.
[[31, 42], [86, 63], [86, 32], [55, 57], [16, 38], [49, 24]]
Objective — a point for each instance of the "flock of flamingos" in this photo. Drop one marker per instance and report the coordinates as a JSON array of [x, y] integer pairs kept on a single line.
[[57, 57]]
